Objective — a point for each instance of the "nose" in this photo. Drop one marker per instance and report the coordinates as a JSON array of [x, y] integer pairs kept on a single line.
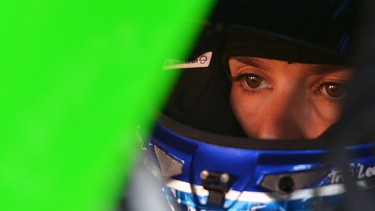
[[284, 118]]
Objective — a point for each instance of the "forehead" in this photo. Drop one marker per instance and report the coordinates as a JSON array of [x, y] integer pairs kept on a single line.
[[270, 64]]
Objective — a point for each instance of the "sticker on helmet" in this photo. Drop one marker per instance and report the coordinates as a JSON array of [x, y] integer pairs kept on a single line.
[[202, 61], [360, 172]]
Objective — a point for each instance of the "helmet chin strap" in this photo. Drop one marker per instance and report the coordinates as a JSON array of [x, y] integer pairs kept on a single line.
[[217, 185]]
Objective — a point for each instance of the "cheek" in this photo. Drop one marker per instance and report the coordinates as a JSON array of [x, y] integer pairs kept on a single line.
[[328, 112], [324, 116], [241, 102], [247, 109]]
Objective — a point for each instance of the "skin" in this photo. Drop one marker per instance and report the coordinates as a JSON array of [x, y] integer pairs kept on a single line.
[[274, 99]]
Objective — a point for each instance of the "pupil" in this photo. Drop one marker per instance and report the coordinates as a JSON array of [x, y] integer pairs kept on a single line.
[[334, 90], [253, 81]]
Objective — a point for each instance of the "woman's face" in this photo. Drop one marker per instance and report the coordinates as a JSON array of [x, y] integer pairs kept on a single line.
[[274, 99]]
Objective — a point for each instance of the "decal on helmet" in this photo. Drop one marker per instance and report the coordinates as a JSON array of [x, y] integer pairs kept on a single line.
[[201, 61]]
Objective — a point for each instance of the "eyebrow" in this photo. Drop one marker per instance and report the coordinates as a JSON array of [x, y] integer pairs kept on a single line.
[[315, 69], [250, 61], [320, 69]]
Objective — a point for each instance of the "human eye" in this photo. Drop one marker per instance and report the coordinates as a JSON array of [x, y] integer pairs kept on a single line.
[[332, 91], [252, 83]]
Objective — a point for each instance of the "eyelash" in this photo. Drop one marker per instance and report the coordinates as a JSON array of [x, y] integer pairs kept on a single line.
[[318, 90], [326, 97], [246, 89]]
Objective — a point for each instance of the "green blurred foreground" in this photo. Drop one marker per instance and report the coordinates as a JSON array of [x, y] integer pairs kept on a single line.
[[76, 79]]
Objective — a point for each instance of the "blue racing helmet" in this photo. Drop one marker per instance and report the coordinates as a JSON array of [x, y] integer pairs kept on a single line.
[[199, 152]]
